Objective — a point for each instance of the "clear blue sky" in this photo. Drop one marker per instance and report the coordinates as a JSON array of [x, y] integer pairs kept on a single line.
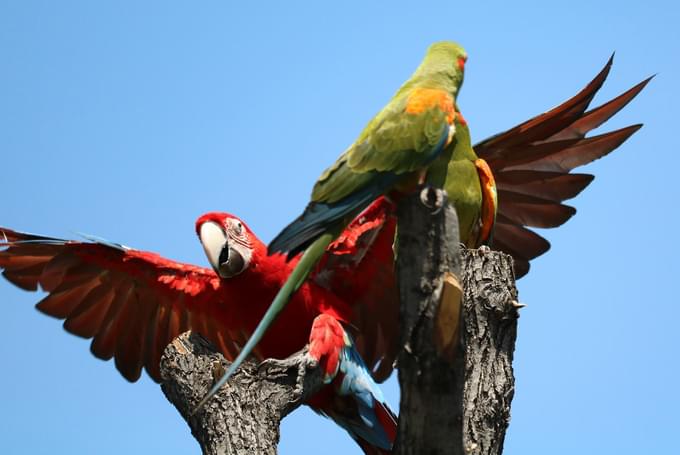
[[128, 121]]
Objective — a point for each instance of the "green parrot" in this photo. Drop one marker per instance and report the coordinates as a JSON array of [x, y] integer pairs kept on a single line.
[[394, 151]]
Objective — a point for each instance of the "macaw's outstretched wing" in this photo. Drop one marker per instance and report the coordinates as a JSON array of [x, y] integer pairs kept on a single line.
[[358, 267], [532, 163], [132, 303]]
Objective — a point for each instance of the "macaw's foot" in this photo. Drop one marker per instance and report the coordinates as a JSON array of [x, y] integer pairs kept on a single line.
[[300, 369]]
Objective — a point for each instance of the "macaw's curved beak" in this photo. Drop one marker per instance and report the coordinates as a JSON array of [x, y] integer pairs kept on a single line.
[[231, 262]]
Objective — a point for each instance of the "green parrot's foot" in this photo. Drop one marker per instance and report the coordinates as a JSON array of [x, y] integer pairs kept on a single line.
[[433, 198]]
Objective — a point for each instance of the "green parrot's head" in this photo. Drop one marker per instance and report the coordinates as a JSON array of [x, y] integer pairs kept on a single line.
[[444, 65]]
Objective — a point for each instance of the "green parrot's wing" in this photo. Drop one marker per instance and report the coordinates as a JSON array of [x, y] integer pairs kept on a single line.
[[532, 163], [404, 137]]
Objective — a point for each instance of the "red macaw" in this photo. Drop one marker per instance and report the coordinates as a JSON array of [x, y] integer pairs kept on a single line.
[[133, 303]]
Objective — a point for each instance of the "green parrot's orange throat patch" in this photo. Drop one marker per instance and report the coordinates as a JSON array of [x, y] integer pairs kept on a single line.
[[423, 99]]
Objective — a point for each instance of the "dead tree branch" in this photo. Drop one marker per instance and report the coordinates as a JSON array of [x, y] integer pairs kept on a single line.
[[244, 417], [455, 370]]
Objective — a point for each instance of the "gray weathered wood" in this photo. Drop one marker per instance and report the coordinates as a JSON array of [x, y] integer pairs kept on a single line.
[[490, 310], [244, 417], [455, 403]]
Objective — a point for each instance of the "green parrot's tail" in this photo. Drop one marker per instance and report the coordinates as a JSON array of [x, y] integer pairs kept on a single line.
[[294, 281], [319, 218]]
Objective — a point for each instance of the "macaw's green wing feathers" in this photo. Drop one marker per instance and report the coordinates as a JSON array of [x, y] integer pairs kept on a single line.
[[532, 163]]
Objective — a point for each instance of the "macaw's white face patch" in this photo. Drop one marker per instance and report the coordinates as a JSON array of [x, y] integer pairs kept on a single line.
[[229, 252]]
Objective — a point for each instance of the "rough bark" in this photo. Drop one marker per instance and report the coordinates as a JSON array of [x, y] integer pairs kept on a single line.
[[490, 310], [244, 417], [455, 398]]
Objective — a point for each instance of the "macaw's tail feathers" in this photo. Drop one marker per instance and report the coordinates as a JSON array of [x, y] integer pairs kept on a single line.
[[320, 217], [371, 422]]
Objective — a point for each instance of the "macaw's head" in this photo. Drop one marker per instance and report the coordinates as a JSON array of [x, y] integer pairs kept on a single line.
[[229, 244], [444, 63]]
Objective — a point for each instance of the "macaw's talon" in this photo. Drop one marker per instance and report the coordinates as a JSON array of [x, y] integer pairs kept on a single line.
[[301, 359], [433, 198]]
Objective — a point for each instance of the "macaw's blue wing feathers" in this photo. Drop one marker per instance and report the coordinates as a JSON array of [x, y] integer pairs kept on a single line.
[[376, 424], [355, 401]]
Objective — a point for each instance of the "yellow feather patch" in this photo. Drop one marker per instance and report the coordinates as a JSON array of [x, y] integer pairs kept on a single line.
[[422, 99]]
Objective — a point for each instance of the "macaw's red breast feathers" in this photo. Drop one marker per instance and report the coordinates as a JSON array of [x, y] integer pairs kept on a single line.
[[132, 303], [532, 163]]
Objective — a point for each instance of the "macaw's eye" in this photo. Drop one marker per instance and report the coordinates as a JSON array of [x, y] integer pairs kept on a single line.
[[235, 227]]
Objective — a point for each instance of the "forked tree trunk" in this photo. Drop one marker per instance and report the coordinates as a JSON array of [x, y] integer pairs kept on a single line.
[[459, 321]]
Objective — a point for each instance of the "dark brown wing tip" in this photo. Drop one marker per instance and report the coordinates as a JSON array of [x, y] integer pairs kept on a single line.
[[27, 284]]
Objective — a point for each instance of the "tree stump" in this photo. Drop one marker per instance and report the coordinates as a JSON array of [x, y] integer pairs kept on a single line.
[[455, 392]]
